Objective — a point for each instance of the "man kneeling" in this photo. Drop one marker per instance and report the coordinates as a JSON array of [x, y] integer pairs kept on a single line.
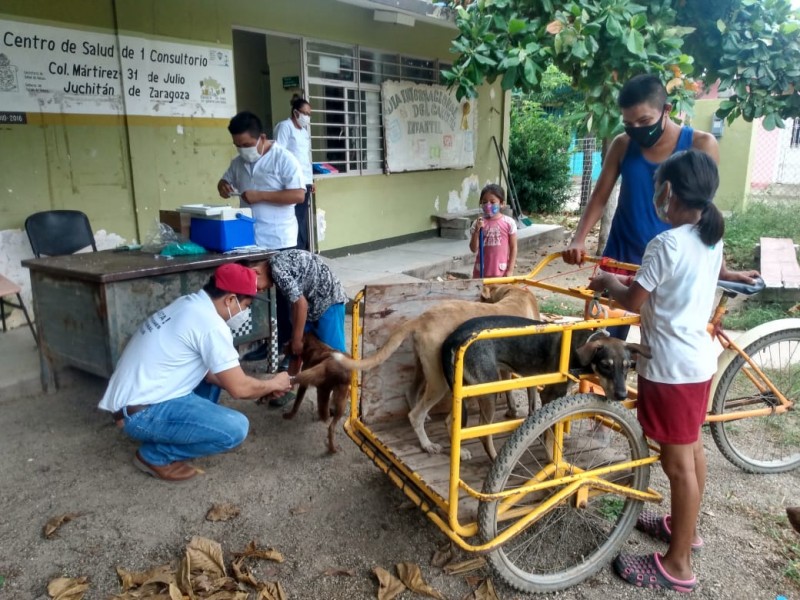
[[166, 386]]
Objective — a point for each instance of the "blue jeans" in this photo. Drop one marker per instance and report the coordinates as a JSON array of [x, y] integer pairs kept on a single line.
[[187, 427]]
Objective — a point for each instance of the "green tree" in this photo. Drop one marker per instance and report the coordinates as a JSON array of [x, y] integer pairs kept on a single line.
[[751, 46], [538, 158]]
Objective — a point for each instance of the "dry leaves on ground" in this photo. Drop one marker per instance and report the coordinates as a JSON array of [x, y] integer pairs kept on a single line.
[[51, 527], [389, 586], [223, 512], [68, 588], [411, 576], [201, 574]]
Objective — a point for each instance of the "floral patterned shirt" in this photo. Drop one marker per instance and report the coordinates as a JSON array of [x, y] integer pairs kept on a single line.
[[299, 273]]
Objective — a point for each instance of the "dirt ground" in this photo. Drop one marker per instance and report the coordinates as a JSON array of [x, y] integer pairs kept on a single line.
[[61, 455]]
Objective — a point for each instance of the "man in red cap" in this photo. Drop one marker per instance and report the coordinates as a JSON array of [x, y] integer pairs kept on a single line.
[[165, 389]]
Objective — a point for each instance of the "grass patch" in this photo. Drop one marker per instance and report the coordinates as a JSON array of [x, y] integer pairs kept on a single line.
[[742, 234], [753, 313], [743, 230], [611, 507], [557, 306]]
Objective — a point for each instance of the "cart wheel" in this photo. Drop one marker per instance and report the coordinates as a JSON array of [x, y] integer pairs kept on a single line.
[[578, 535], [769, 444]]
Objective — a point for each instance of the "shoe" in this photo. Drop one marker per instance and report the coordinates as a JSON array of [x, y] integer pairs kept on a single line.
[[176, 471], [647, 572], [282, 401], [658, 527], [259, 353]]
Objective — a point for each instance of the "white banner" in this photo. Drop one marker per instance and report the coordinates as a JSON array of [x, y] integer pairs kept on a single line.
[[60, 70], [426, 127]]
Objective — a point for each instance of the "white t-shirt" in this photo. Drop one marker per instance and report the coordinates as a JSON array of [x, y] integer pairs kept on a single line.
[[298, 142], [681, 274], [277, 170], [170, 354]]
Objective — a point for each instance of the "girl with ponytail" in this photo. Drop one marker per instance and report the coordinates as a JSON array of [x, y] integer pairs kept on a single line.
[[674, 292]]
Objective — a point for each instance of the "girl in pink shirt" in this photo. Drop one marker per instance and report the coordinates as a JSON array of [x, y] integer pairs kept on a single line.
[[499, 236]]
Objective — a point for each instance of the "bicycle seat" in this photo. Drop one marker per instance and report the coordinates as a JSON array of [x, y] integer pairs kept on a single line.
[[737, 287]]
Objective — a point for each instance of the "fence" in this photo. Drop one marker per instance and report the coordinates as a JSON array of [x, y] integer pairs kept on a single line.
[[775, 168], [585, 163]]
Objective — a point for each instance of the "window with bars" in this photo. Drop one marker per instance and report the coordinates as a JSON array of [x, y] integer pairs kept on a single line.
[[344, 89]]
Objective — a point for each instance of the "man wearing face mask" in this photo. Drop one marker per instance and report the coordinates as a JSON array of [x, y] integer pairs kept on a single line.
[[165, 389], [294, 134], [269, 179], [650, 138]]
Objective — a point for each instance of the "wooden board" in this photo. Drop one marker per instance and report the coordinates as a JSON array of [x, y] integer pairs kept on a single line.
[[779, 267], [383, 389]]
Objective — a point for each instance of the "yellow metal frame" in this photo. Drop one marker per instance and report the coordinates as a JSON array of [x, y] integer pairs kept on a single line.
[[573, 480]]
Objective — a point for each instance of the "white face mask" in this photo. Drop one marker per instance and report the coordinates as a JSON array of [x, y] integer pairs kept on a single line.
[[239, 319], [249, 154], [303, 120], [661, 209]]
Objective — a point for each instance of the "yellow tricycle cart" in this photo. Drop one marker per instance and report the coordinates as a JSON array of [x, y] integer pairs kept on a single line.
[[571, 478]]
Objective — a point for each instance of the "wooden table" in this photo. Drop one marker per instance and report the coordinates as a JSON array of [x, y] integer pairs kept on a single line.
[[88, 305]]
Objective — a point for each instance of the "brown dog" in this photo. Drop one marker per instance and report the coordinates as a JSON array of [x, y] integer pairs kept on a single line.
[[429, 331], [330, 378]]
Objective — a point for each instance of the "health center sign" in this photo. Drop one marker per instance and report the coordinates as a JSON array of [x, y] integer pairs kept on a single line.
[[426, 127], [60, 70]]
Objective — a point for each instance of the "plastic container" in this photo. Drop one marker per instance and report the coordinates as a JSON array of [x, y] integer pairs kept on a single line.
[[222, 234]]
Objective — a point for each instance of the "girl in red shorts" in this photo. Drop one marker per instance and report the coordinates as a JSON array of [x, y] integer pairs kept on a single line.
[[674, 293]]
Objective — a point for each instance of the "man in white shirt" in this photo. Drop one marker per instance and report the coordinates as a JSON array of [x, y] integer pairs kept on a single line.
[[267, 177], [165, 388], [294, 134]]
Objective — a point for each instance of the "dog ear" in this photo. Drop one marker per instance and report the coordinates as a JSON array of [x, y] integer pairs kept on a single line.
[[586, 352], [489, 293], [640, 349]]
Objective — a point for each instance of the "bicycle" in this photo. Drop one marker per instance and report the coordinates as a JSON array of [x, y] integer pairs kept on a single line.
[[571, 479]]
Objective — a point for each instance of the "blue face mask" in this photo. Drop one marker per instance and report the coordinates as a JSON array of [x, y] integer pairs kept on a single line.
[[490, 210]]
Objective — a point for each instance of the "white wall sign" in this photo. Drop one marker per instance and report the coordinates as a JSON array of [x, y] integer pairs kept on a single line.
[[55, 69], [426, 127]]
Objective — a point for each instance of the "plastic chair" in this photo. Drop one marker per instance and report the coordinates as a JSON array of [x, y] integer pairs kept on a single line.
[[57, 232], [9, 288]]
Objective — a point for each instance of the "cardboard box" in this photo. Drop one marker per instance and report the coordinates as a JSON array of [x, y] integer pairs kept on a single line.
[[180, 222]]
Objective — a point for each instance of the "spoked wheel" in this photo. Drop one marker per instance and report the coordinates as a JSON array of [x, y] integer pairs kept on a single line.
[[767, 444], [583, 531]]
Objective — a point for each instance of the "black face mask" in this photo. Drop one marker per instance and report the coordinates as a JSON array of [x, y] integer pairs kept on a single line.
[[647, 135]]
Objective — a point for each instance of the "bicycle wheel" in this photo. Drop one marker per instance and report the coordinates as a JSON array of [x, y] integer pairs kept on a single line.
[[568, 543], [769, 444]]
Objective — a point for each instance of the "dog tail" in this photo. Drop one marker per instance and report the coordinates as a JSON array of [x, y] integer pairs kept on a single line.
[[383, 353]]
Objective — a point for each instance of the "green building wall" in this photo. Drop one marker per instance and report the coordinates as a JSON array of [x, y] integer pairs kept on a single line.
[[736, 147], [121, 170]]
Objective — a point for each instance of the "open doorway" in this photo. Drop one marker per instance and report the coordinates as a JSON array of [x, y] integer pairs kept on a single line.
[[268, 71]]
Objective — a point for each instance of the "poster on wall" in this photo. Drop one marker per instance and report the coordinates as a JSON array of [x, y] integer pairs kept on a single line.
[[61, 70], [426, 127]]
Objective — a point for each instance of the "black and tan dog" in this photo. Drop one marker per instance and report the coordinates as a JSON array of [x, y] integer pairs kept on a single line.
[[428, 331], [536, 354], [331, 379]]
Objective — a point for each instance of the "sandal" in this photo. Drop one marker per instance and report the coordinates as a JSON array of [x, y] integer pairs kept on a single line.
[[657, 526], [647, 572]]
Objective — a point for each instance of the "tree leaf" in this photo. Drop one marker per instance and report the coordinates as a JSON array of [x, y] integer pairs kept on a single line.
[[53, 524], [515, 26], [389, 586], [411, 576], [205, 555]]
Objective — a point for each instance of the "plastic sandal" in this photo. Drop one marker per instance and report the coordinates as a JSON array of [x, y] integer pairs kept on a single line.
[[647, 572], [657, 526]]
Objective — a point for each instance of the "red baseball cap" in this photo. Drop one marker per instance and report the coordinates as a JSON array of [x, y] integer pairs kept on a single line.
[[236, 279]]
